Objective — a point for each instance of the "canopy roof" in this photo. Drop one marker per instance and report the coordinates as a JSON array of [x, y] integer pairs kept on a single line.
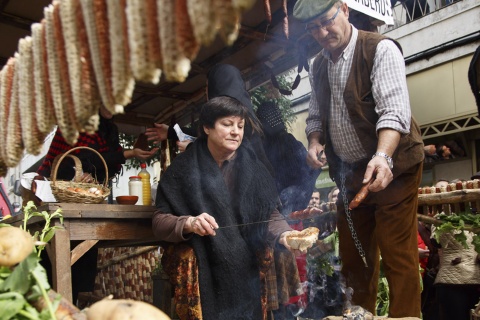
[[259, 51]]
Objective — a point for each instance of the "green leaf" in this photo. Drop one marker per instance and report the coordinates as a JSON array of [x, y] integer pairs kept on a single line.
[[49, 235], [20, 279], [461, 238], [10, 304]]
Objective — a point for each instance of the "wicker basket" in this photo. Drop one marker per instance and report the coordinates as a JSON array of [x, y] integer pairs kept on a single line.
[[62, 190]]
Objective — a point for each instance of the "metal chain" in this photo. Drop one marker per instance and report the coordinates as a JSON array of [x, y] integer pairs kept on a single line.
[[348, 214]]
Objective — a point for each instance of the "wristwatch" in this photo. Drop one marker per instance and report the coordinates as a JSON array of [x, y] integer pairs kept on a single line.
[[387, 157]]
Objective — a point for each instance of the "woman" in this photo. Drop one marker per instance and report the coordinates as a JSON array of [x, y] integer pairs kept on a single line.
[[222, 80], [218, 182], [105, 140]]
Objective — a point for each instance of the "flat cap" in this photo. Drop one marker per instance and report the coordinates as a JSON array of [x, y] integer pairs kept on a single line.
[[306, 10]]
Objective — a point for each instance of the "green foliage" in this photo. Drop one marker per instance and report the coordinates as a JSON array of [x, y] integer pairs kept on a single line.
[[20, 287], [47, 233], [25, 283], [457, 224], [267, 92]]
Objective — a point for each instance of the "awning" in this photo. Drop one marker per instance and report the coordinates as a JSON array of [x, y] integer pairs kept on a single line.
[[380, 10], [324, 181]]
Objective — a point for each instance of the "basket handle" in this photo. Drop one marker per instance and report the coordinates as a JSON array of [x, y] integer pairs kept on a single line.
[[78, 165]]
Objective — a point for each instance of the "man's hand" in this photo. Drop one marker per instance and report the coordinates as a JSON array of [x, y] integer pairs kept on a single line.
[[316, 155], [158, 133], [383, 174]]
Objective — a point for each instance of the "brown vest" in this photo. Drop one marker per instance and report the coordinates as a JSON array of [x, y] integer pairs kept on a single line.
[[361, 107]]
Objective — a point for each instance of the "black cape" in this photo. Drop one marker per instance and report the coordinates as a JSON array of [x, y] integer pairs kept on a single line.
[[228, 268]]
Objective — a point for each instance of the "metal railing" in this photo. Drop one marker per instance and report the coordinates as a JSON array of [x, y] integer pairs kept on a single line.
[[406, 11]]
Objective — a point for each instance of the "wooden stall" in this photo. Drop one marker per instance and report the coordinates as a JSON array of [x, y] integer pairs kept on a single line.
[[102, 225]]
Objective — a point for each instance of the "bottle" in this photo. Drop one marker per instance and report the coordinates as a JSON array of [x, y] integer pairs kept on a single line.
[[146, 188], [135, 188]]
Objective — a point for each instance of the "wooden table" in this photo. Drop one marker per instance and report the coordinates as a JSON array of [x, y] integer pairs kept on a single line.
[[106, 225]]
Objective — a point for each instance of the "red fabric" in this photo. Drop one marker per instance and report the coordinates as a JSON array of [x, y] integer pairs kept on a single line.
[[421, 245], [302, 269], [4, 203]]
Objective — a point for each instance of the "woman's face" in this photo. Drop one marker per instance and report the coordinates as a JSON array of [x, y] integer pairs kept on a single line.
[[227, 134]]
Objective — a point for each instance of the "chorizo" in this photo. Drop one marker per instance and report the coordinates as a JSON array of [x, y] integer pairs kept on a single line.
[[360, 196]]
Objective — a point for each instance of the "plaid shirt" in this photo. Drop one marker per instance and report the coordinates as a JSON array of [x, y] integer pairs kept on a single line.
[[91, 163], [389, 89]]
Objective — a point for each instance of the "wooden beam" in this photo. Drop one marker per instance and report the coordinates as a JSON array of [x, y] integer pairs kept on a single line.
[[16, 21], [80, 250]]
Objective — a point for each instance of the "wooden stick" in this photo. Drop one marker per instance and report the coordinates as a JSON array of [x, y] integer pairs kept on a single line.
[[125, 256], [457, 196]]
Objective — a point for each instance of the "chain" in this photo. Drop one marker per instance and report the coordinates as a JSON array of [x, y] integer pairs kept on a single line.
[[348, 214]]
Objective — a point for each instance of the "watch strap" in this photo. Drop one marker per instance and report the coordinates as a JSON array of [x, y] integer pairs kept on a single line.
[[386, 156]]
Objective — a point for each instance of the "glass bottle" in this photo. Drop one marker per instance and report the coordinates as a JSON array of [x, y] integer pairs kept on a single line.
[[135, 188], [146, 187]]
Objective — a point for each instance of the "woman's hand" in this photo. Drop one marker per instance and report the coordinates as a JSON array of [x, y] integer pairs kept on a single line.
[[87, 178], [158, 133], [203, 225], [182, 145], [423, 253], [283, 241]]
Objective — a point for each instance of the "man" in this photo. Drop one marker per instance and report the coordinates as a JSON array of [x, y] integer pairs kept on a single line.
[[360, 115], [315, 199]]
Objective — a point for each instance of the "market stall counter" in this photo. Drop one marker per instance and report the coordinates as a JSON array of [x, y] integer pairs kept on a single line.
[[102, 225]]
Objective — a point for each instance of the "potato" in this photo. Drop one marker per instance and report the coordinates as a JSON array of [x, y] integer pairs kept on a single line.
[[15, 245], [122, 309]]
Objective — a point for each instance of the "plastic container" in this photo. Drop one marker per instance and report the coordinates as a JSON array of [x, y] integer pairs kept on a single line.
[[135, 188], [146, 186]]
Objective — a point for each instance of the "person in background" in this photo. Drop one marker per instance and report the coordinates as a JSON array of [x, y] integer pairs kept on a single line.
[[106, 142], [457, 283], [315, 199], [219, 181], [444, 152], [333, 195], [222, 80], [294, 181], [360, 116]]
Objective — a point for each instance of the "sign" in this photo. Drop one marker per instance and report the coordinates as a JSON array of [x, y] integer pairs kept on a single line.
[[378, 9], [324, 181]]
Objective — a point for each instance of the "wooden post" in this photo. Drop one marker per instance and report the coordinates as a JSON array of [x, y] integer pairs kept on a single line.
[[61, 270]]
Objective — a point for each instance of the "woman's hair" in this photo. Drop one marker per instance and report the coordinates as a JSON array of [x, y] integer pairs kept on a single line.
[[220, 107], [330, 194]]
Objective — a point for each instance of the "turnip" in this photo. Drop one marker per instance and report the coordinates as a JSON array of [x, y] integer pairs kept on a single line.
[[122, 309], [15, 245]]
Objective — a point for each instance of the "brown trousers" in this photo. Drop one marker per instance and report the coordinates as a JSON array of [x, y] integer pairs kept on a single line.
[[385, 223]]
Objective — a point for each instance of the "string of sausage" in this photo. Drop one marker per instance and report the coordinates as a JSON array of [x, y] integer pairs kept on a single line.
[[360, 196]]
